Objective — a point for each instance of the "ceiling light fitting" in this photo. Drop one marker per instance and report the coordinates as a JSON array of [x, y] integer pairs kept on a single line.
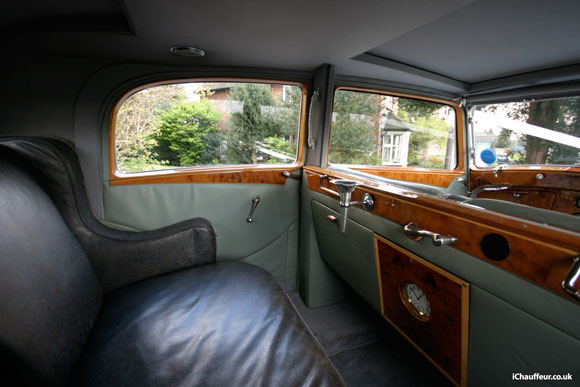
[[187, 51]]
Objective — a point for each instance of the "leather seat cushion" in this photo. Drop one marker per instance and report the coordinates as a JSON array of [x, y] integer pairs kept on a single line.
[[225, 324]]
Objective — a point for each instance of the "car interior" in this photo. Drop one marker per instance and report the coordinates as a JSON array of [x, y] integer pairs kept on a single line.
[[290, 193]]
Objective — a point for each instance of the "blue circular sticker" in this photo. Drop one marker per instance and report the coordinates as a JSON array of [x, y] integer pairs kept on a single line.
[[488, 156]]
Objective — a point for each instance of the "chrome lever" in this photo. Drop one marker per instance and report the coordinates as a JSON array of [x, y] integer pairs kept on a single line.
[[345, 189], [571, 279], [255, 202], [413, 230], [289, 175]]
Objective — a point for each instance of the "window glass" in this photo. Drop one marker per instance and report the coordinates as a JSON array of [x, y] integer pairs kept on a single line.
[[533, 132], [376, 129], [200, 124]]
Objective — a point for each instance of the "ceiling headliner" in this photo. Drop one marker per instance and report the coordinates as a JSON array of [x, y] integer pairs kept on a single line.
[[456, 40]]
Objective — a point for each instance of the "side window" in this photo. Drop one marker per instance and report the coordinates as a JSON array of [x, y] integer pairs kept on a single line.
[[527, 133], [207, 124], [371, 129]]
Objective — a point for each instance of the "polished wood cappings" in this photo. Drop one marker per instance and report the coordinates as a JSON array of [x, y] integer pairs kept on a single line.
[[440, 178], [549, 187], [538, 253], [438, 325], [258, 174], [522, 195]]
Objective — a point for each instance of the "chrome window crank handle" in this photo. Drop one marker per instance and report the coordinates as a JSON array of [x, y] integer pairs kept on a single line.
[[255, 202]]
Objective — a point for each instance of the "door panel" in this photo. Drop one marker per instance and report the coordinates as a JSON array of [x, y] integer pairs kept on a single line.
[[270, 241], [545, 305], [352, 255], [506, 340], [515, 326]]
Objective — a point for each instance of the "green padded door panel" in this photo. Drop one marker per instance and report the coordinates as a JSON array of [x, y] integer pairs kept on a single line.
[[270, 241], [505, 340], [558, 311], [351, 255]]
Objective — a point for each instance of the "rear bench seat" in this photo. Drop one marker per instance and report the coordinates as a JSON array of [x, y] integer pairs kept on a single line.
[[84, 304]]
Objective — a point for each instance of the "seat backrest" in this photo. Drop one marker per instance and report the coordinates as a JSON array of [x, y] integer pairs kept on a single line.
[[49, 294]]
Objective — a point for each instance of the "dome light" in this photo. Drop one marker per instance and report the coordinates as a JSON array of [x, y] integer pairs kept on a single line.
[[187, 51]]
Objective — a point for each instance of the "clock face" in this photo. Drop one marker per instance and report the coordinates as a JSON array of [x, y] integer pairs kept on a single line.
[[415, 300]]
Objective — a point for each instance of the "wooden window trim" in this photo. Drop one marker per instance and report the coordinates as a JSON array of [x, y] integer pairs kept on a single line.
[[241, 173]]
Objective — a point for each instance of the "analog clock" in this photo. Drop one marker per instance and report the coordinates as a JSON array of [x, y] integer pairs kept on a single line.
[[415, 300]]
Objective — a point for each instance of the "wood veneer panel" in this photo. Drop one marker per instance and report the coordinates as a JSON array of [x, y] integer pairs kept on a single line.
[[538, 253], [443, 338], [419, 175], [528, 197], [562, 182], [247, 175], [567, 202], [554, 177]]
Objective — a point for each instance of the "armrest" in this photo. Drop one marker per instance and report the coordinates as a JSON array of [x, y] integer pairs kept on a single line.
[[122, 257], [118, 257]]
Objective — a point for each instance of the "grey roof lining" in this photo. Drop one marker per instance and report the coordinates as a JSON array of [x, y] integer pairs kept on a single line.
[[353, 31]]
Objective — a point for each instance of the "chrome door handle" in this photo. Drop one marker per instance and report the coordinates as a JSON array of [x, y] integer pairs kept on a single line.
[[571, 279], [255, 202], [413, 230], [289, 175]]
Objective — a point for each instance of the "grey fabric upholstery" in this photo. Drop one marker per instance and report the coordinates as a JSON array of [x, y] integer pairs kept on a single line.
[[118, 257], [175, 322]]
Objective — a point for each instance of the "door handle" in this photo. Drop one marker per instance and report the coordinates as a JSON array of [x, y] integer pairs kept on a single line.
[[289, 175], [571, 279], [255, 202], [413, 230]]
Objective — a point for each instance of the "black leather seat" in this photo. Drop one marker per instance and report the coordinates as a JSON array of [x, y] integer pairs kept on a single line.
[[84, 304]]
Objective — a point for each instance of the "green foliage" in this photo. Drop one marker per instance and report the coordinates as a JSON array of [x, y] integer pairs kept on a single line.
[[418, 145], [139, 163], [156, 129], [280, 145], [188, 134], [415, 108], [136, 124], [262, 117], [560, 115], [566, 122], [428, 141], [355, 136], [504, 139]]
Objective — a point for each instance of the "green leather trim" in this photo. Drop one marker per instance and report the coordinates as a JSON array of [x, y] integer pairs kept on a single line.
[[119, 226], [318, 283], [540, 215], [292, 251], [545, 305], [351, 254], [267, 257], [279, 257], [226, 206], [505, 340], [458, 187]]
